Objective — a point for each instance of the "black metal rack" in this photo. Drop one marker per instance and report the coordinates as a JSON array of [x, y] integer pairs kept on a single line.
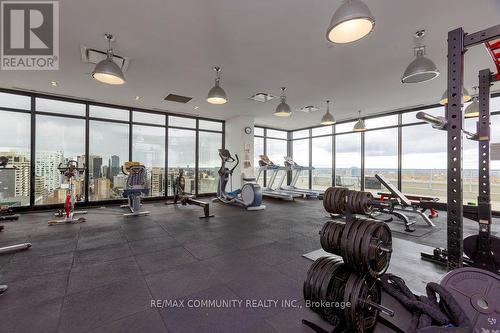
[[458, 43]]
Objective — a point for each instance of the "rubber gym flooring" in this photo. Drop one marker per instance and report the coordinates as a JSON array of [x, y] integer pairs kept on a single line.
[[101, 275]]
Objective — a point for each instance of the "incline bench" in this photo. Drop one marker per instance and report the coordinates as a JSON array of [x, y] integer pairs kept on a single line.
[[408, 203]]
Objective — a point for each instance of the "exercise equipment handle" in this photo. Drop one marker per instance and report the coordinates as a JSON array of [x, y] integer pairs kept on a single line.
[[436, 122], [237, 162]]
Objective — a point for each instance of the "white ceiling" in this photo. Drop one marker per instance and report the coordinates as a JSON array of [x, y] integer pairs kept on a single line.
[[261, 45]]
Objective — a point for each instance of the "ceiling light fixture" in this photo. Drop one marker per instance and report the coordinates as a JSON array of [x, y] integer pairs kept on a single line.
[[360, 125], [107, 71], [54, 83], [217, 95], [465, 97], [283, 109], [472, 111], [350, 22], [421, 69], [328, 118]]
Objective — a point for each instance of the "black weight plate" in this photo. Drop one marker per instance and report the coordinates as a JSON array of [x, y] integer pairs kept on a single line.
[[323, 279], [316, 276], [358, 250], [359, 197], [330, 276], [352, 243], [339, 229], [346, 249], [349, 296], [333, 201], [381, 259], [470, 248], [361, 317], [355, 245], [365, 248], [323, 236], [344, 240], [326, 199], [365, 316], [369, 206], [313, 276], [478, 293], [310, 273]]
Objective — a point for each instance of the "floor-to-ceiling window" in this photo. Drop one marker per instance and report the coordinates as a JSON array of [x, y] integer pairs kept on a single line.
[[100, 138], [181, 154], [258, 150], [276, 150], [347, 157], [15, 145], [300, 152], [424, 161], [108, 151], [322, 157], [209, 162], [59, 140], [495, 161], [381, 153], [148, 148], [406, 151]]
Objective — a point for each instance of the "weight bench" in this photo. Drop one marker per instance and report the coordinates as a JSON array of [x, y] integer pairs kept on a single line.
[[410, 204]]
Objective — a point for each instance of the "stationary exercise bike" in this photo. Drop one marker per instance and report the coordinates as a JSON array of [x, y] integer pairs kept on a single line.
[[6, 213], [250, 194], [185, 198], [135, 188], [70, 171]]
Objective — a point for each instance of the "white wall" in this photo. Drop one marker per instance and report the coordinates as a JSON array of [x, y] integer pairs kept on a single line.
[[236, 138]]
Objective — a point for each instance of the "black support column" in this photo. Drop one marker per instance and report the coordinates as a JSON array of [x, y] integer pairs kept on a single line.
[[454, 127]]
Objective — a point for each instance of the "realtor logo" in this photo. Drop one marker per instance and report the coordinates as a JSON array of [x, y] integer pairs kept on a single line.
[[30, 35]]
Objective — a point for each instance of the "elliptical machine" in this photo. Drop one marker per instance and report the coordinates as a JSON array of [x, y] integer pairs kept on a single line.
[[70, 171], [135, 188], [250, 194]]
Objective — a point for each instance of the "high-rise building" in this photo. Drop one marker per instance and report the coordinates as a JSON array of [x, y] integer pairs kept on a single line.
[[157, 181], [7, 184], [46, 167], [95, 164], [105, 171], [119, 181], [103, 188], [114, 166], [81, 161], [21, 162]]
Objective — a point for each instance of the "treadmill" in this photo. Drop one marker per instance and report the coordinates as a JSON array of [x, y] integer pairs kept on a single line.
[[291, 165], [265, 164]]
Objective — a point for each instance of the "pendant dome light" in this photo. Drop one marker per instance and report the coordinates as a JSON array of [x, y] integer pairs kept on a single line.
[[360, 125], [350, 22], [465, 97], [217, 95], [328, 118], [283, 109], [107, 71], [421, 69], [472, 111]]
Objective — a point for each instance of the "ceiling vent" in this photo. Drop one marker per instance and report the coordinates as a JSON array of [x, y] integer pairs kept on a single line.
[[94, 56], [309, 109], [262, 97], [178, 98]]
